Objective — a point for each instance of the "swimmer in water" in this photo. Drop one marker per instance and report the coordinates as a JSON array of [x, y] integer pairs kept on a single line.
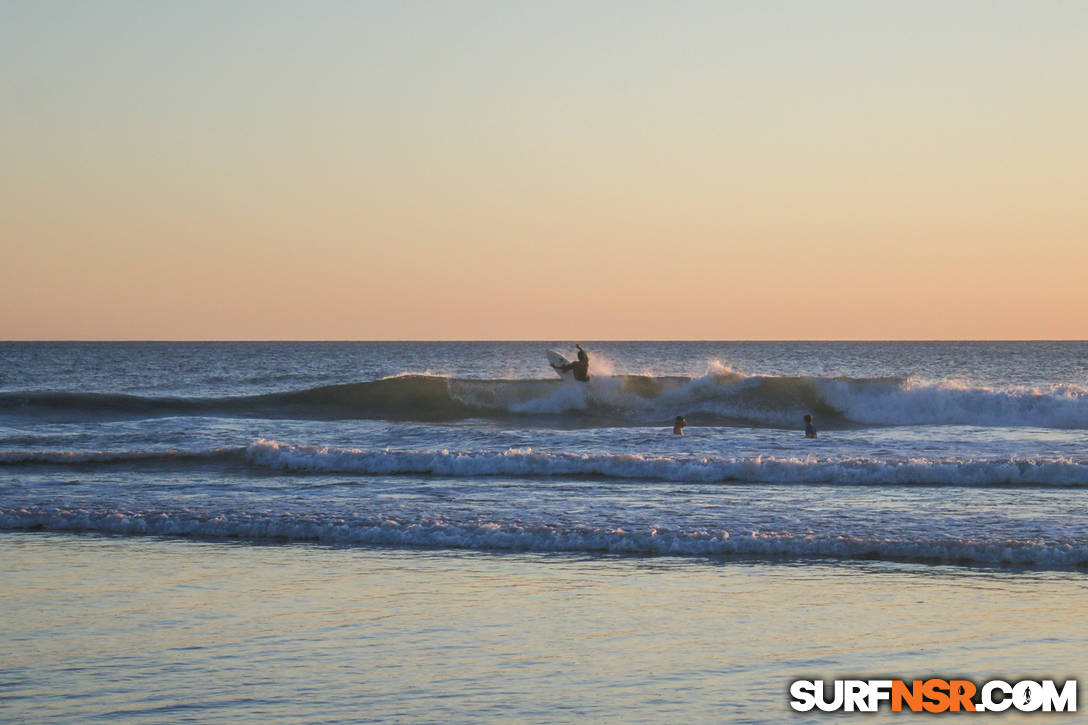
[[679, 425], [810, 432], [579, 366]]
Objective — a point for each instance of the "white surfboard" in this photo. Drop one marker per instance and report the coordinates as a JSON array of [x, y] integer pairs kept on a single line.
[[557, 358]]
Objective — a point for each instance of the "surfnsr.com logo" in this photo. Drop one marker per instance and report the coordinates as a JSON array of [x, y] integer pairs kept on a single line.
[[933, 695]]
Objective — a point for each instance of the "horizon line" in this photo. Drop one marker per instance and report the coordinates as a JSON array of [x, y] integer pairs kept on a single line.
[[520, 340]]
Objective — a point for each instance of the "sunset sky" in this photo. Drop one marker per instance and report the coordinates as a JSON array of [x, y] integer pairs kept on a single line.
[[546, 170]]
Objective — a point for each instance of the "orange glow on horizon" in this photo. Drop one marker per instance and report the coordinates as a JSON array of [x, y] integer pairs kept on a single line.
[[473, 173]]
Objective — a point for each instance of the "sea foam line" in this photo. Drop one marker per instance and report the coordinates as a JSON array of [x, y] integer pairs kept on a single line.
[[762, 469], [527, 463], [487, 535]]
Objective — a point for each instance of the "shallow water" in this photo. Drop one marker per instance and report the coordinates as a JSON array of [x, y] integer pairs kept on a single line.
[[157, 631]]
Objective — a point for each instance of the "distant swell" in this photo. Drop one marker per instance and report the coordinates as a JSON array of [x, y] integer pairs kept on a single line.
[[508, 536], [720, 397], [408, 397], [169, 457]]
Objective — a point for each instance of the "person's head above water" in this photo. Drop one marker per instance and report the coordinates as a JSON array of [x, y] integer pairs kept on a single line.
[[808, 418], [678, 425]]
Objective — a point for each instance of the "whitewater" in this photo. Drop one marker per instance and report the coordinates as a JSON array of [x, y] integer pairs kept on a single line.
[[720, 396], [969, 454]]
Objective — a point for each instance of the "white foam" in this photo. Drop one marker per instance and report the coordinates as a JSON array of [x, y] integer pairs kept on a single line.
[[723, 393], [766, 469], [916, 402], [569, 397], [497, 535]]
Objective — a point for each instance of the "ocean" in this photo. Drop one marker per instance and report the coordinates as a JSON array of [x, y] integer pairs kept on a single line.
[[447, 531]]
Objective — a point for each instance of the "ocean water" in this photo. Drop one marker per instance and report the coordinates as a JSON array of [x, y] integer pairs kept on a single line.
[[944, 473]]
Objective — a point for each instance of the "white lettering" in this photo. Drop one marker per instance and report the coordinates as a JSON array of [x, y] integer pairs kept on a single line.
[[821, 696], [1027, 696], [855, 697], [803, 693], [879, 691], [1065, 701], [988, 701]]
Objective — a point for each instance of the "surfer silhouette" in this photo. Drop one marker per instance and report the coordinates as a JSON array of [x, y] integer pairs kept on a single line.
[[810, 432], [678, 425], [579, 366]]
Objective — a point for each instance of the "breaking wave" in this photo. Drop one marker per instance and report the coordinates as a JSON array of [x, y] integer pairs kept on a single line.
[[527, 463], [511, 536], [761, 469], [720, 397]]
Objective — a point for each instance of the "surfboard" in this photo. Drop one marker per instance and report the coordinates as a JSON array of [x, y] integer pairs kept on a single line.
[[557, 358]]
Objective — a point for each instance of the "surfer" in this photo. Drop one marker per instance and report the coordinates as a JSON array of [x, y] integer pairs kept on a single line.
[[679, 425], [579, 366], [810, 432]]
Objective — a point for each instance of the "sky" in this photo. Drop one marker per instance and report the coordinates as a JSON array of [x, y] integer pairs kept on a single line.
[[601, 170]]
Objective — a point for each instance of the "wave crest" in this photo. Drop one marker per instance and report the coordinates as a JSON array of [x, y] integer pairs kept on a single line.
[[511, 536], [755, 469], [720, 397], [528, 463]]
